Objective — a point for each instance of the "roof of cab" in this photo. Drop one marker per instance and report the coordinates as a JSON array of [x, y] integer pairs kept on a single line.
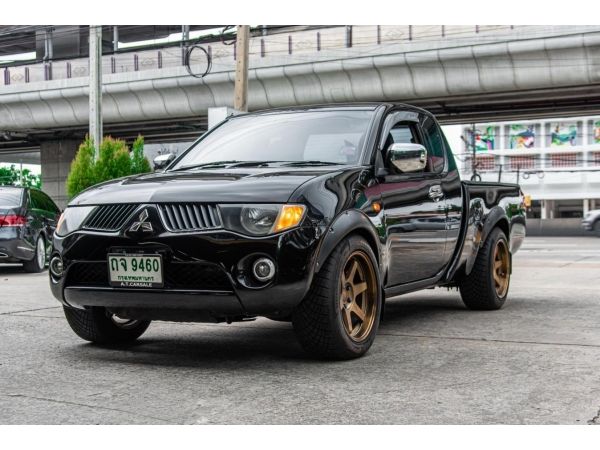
[[366, 106]]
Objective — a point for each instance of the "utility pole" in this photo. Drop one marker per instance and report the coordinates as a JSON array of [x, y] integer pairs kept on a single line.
[[474, 156], [185, 37], [115, 38], [240, 99], [95, 100]]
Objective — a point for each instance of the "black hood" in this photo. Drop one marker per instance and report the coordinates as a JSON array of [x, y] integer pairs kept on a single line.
[[268, 185]]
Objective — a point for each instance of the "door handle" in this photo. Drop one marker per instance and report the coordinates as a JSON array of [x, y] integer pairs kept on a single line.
[[436, 193]]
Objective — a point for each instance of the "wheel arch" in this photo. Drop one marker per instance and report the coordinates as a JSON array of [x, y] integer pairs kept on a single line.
[[496, 218], [348, 223]]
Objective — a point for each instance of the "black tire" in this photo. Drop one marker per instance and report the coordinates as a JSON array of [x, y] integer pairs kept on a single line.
[[479, 290], [597, 228], [97, 325], [35, 265], [319, 320]]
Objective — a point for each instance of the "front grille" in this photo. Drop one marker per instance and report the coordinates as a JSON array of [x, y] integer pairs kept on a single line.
[[189, 216], [109, 217], [177, 275]]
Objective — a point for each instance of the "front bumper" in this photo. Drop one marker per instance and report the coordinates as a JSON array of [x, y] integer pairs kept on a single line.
[[204, 276]]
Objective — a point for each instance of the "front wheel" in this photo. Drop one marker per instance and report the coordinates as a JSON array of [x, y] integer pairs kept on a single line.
[[101, 327], [486, 287], [339, 317]]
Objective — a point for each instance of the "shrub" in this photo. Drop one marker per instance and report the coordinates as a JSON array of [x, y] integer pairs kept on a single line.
[[139, 162], [82, 173], [114, 161]]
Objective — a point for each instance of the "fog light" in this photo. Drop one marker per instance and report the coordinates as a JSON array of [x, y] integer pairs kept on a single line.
[[56, 266], [263, 269]]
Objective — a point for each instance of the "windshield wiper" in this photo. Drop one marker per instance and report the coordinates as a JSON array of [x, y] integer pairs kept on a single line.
[[313, 163], [227, 164]]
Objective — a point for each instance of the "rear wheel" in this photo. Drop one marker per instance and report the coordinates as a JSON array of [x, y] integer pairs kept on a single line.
[[339, 317], [486, 287], [102, 327], [38, 262]]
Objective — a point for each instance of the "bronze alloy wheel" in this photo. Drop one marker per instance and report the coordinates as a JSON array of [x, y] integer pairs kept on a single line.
[[501, 271], [358, 296]]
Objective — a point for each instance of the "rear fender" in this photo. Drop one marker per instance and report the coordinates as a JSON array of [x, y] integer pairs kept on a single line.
[[496, 217]]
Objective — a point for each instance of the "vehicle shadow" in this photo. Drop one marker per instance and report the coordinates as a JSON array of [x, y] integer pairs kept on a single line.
[[245, 345], [16, 269], [416, 307], [198, 346], [11, 269]]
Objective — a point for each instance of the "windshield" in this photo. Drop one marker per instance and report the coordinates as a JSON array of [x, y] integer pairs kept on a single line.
[[10, 197], [311, 136]]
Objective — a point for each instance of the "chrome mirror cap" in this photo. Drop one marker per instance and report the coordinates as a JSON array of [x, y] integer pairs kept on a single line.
[[162, 161], [407, 158]]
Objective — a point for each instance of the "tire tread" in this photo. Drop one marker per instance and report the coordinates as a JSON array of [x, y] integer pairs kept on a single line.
[[312, 319], [477, 289], [95, 326]]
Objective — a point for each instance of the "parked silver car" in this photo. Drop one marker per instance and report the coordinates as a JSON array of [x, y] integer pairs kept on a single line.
[[591, 221]]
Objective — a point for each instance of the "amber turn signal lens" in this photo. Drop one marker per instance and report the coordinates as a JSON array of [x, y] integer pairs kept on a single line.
[[376, 207], [290, 216]]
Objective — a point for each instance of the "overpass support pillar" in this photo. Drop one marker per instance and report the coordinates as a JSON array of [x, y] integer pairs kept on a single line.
[[56, 157]]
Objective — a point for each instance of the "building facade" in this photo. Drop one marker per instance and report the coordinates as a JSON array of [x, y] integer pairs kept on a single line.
[[556, 161]]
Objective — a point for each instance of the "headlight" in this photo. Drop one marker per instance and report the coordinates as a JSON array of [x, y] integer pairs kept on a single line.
[[261, 220], [72, 218]]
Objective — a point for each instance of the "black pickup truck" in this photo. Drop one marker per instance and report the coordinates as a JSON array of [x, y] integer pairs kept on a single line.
[[313, 215]]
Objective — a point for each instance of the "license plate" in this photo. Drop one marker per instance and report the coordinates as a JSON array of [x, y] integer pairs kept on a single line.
[[135, 271]]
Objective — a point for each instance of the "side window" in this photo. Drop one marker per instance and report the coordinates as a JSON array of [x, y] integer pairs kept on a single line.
[[36, 202], [434, 143], [53, 206], [49, 205], [403, 133]]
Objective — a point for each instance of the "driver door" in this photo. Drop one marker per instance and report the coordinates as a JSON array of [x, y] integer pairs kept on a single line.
[[414, 210]]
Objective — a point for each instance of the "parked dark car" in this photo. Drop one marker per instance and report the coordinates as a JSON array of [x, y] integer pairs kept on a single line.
[[315, 215], [591, 222], [28, 219]]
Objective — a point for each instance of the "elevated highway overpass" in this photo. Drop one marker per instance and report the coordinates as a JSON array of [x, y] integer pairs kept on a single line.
[[461, 73]]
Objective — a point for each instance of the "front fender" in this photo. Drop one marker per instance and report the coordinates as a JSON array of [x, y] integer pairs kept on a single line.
[[346, 223]]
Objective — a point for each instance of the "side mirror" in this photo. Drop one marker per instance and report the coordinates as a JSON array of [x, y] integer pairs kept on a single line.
[[406, 158], [162, 161]]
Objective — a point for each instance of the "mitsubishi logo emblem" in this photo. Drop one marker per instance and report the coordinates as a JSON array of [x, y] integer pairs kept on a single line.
[[142, 224]]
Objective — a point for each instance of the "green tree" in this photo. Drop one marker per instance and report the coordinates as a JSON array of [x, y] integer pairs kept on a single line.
[[12, 176], [114, 161], [8, 176], [139, 162], [82, 174]]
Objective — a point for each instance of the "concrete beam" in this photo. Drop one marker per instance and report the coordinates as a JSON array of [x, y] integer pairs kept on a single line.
[[478, 74]]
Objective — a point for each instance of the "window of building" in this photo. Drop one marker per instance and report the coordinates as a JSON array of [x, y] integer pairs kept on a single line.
[[521, 162], [563, 160]]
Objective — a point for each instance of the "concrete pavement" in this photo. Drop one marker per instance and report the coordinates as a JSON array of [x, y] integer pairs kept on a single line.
[[535, 361]]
